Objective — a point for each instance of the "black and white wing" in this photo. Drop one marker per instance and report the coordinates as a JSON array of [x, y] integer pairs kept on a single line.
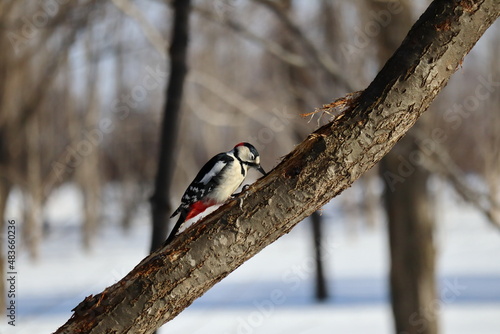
[[204, 182]]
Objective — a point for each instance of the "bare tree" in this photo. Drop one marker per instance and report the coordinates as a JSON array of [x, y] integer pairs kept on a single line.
[[409, 209], [32, 227], [411, 223], [29, 78], [322, 166], [161, 208], [88, 172], [491, 148]]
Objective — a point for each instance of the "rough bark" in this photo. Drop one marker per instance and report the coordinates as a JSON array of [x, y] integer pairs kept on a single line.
[[323, 165], [161, 209]]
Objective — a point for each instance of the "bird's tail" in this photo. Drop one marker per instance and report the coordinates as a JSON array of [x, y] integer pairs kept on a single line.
[[187, 213], [176, 212], [180, 221]]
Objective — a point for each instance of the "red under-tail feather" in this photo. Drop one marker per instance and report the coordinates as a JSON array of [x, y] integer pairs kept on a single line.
[[194, 209], [198, 207]]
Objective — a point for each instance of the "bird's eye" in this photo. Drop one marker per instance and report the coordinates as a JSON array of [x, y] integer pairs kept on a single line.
[[252, 157]]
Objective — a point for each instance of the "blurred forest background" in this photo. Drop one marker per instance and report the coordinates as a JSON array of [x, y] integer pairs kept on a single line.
[[82, 93]]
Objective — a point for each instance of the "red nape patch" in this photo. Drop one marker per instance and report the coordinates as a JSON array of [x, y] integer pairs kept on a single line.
[[240, 144], [198, 207]]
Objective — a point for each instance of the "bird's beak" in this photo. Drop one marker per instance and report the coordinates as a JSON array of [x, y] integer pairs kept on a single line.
[[260, 169]]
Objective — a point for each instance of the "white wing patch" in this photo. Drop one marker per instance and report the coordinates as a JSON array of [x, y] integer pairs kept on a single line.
[[214, 171]]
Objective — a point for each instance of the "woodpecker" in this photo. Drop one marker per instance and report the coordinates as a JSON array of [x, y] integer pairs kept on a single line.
[[217, 180]]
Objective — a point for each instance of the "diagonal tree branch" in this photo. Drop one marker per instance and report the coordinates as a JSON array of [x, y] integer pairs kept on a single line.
[[321, 167]]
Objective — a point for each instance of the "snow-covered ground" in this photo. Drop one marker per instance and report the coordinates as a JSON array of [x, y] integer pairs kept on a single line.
[[272, 292]]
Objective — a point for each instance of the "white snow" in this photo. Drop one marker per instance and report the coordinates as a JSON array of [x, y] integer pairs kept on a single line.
[[272, 292]]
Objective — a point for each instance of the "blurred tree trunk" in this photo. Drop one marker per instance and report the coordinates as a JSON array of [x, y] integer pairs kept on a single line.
[[328, 161], [160, 203], [32, 227], [490, 141], [370, 200], [321, 287], [408, 207], [411, 228], [88, 172]]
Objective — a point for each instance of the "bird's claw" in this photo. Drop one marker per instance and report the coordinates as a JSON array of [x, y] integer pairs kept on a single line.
[[243, 189], [240, 200]]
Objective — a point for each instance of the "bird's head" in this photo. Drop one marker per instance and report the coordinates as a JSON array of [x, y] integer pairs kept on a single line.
[[248, 155]]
